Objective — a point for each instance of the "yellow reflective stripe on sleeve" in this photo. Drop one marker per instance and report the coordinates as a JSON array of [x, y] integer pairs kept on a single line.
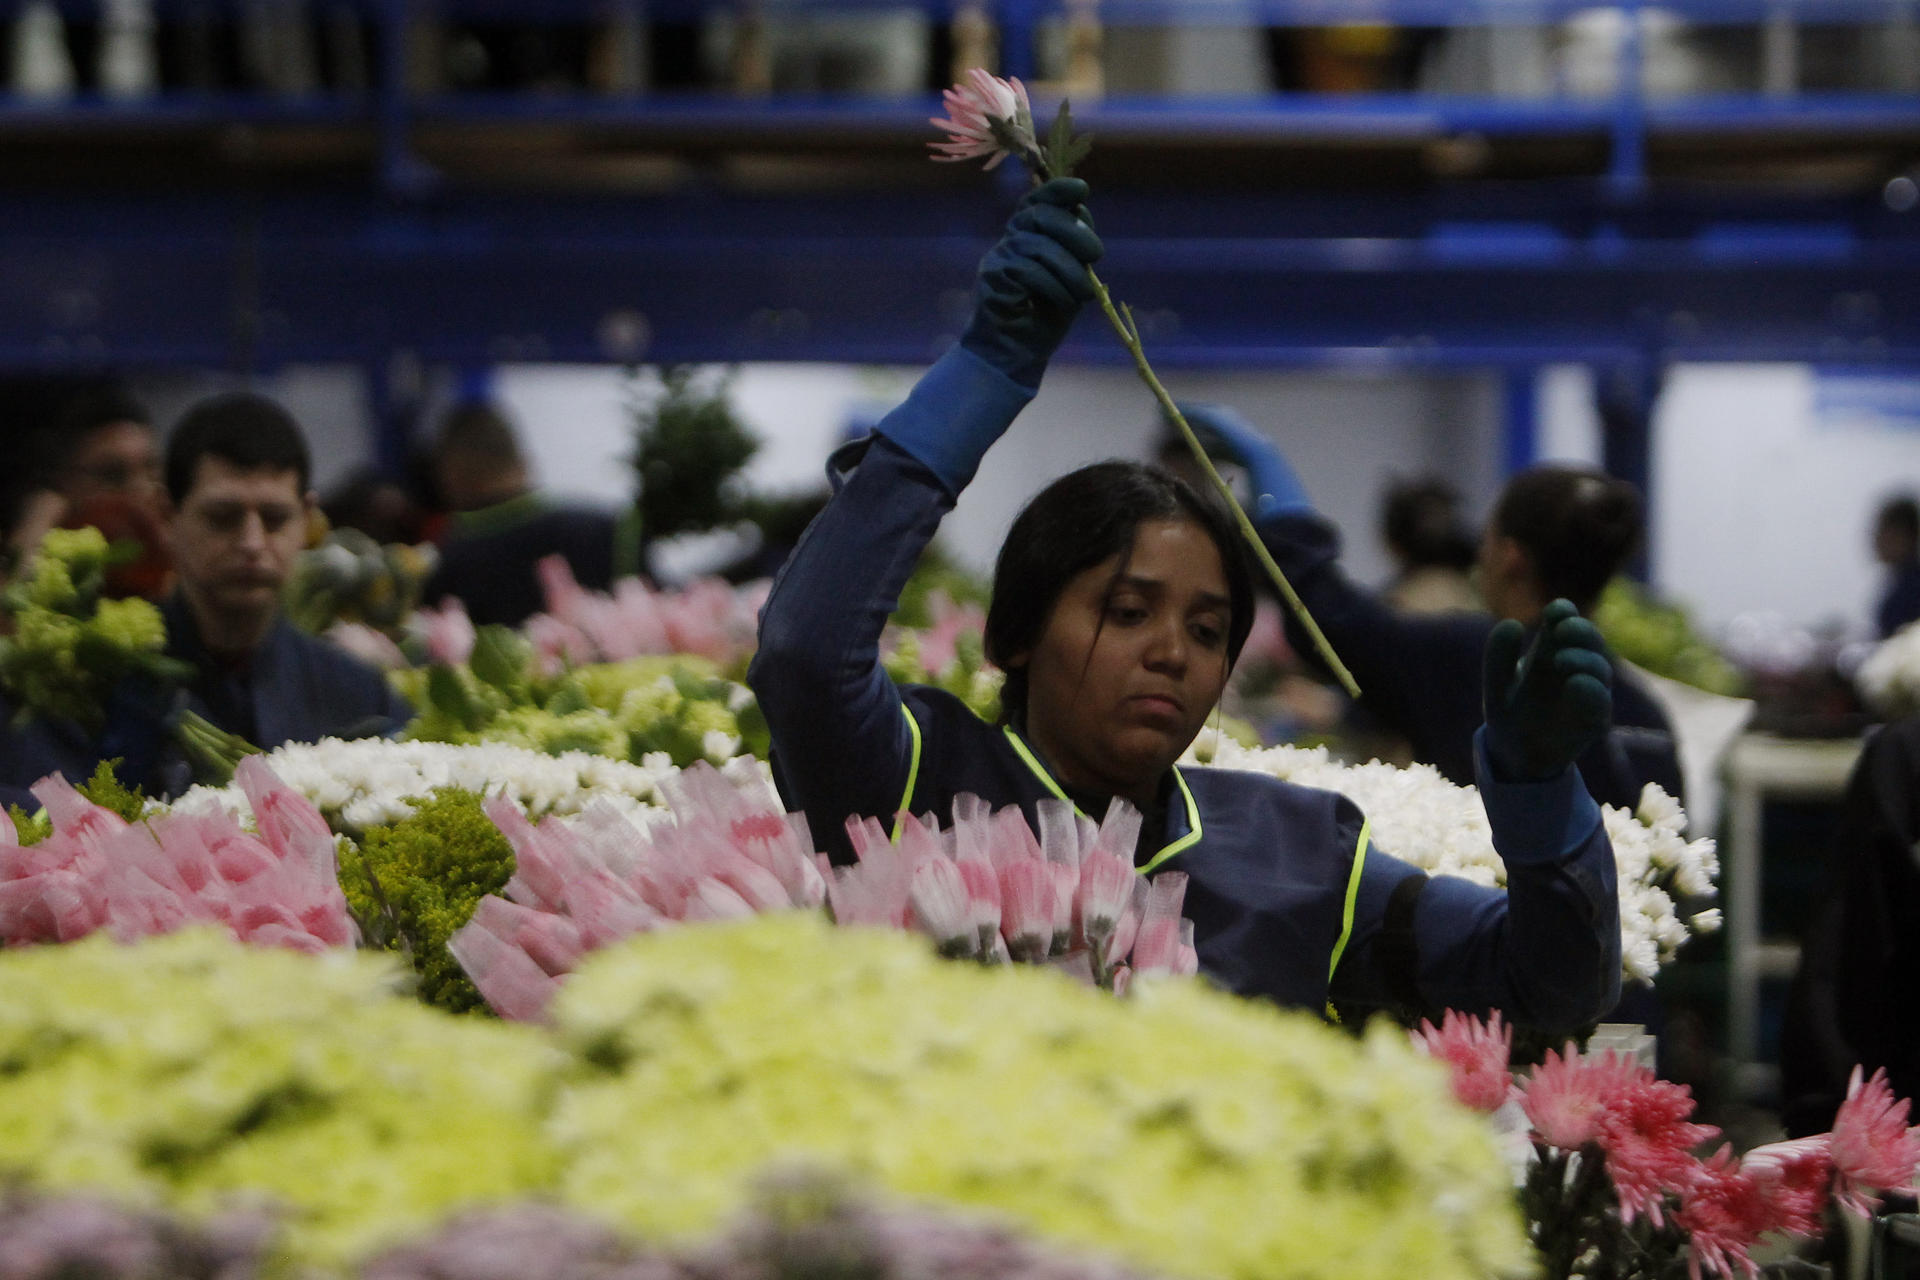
[[1346, 915], [913, 774], [1186, 841]]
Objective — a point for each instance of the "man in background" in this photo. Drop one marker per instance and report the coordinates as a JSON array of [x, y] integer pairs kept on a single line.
[[501, 526], [101, 467], [235, 515]]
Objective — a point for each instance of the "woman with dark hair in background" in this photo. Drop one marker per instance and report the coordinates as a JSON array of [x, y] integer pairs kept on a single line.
[[1119, 605], [1556, 532], [1432, 548]]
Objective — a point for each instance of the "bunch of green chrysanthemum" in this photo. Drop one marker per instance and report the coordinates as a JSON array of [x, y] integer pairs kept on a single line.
[[70, 644], [678, 704], [1184, 1131], [188, 1070], [412, 884]]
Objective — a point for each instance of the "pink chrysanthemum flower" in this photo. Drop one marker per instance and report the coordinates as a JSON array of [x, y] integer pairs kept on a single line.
[[1649, 1140], [986, 117], [1566, 1094], [1476, 1054], [1872, 1148], [1724, 1211], [1797, 1176]]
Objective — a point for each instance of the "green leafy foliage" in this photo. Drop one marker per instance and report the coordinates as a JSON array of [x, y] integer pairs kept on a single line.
[[70, 644], [1063, 150], [688, 446], [413, 884], [1662, 638], [107, 791], [676, 703]]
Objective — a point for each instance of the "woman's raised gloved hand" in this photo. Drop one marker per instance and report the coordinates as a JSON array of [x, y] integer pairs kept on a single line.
[[1032, 282], [1228, 437], [1547, 703]]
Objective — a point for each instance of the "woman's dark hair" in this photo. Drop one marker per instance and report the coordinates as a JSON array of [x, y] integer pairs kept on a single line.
[[1578, 525], [1075, 523], [1421, 524], [248, 431]]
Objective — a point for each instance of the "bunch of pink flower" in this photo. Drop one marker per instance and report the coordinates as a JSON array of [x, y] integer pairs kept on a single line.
[[172, 870], [583, 883], [987, 888], [707, 618], [1615, 1169], [939, 640]]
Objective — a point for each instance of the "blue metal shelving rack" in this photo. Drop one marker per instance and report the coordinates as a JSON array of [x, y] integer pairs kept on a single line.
[[1625, 256]]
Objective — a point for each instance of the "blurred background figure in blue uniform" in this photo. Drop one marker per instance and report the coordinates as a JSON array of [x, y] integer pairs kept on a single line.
[[1556, 532], [500, 526]]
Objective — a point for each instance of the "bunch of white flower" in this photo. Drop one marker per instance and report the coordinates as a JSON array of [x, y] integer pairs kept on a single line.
[[1420, 817], [1889, 679], [367, 783]]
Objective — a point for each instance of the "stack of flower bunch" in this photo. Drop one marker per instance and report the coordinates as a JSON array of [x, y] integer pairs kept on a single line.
[[506, 692], [1612, 1187], [1183, 1133], [359, 593], [195, 1074], [370, 782], [984, 889], [1665, 880], [94, 870], [1182, 1130]]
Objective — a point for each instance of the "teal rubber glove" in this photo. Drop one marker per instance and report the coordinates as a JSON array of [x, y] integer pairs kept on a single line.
[[1033, 281], [1228, 437], [1547, 702]]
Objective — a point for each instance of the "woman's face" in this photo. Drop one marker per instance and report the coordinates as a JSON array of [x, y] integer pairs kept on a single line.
[[1129, 667]]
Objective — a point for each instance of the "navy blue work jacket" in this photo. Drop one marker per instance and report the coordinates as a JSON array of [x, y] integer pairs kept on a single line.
[[1271, 866]]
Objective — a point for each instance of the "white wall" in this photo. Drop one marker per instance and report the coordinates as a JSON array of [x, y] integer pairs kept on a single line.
[[1349, 434], [1763, 501]]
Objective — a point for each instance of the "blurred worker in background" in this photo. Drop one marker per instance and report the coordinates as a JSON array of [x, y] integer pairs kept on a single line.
[[1853, 999], [1432, 548], [101, 467], [1556, 532], [1896, 544], [235, 515], [500, 526]]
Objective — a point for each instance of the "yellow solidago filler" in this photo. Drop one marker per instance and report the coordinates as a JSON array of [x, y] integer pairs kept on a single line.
[[1185, 1131], [188, 1068]]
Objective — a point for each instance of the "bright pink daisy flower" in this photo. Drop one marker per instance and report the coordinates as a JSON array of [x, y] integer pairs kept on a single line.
[[1797, 1175], [1649, 1140], [1566, 1095], [1872, 1148], [1476, 1054], [1724, 1211], [974, 107]]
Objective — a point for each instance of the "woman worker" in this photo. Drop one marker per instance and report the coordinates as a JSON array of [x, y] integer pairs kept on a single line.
[[1120, 601], [1556, 533]]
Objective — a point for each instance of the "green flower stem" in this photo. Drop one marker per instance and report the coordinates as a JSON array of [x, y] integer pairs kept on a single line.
[[1122, 321]]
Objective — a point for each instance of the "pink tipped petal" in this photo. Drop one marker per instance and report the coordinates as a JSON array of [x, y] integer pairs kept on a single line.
[[942, 908], [1026, 907]]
